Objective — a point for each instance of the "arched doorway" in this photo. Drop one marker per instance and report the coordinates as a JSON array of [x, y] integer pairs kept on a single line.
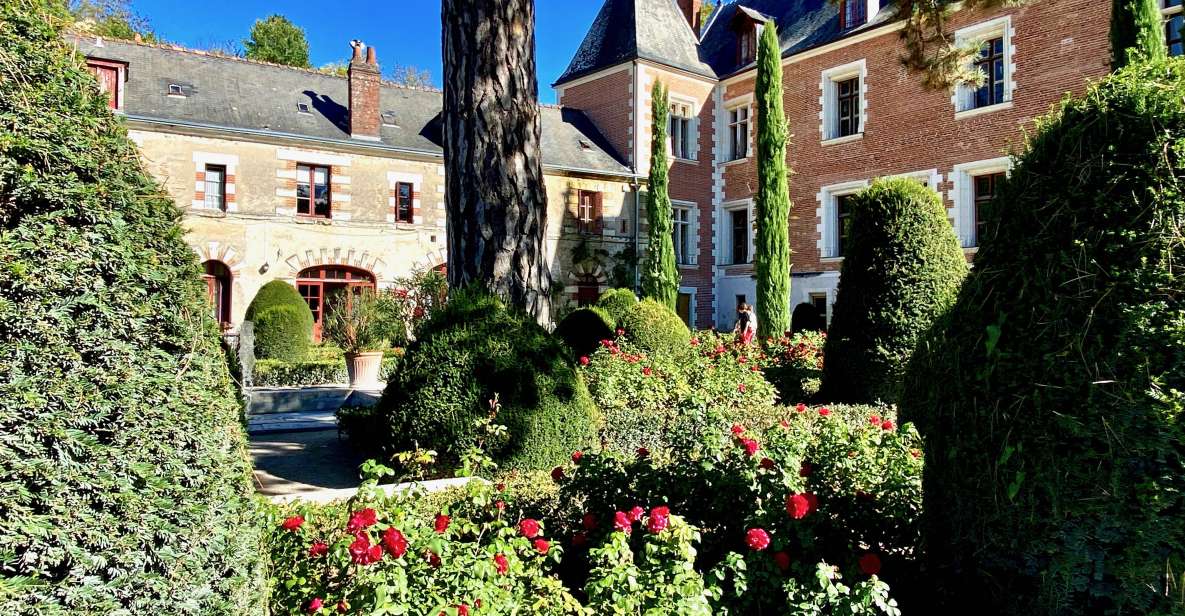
[[320, 284], [218, 278]]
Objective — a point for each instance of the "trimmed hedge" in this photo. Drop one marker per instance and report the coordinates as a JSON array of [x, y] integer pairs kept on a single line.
[[468, 352], [584, 329], [272, 373], [123, 460], [616, 302], [902, 268], [283, 322], [1052, 398], [655, 328]]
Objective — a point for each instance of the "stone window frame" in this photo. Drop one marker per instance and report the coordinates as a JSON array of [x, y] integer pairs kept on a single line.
[[829, 101], [962, 194], [963, 96], [230, 163], [691, 259], [827, 213]]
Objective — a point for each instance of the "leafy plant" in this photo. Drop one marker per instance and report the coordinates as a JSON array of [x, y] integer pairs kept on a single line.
[[278, 40], [366, 321], [283, 322]]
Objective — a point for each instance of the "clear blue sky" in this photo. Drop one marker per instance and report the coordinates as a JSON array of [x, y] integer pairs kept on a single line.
[[403, 31]]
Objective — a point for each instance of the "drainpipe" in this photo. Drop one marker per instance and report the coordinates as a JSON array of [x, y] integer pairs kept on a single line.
[[637, 237]]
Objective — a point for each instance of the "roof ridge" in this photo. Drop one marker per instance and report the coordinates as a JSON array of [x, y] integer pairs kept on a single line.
[[82, 35]]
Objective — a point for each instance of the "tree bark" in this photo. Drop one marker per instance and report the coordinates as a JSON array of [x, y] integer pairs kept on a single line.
[[495, 195]]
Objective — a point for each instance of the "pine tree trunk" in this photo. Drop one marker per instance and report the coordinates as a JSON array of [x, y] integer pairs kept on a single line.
[[660, 277], [772, 258], [495, 195]]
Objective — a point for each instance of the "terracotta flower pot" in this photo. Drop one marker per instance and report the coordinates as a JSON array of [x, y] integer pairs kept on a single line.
[[364, 368]]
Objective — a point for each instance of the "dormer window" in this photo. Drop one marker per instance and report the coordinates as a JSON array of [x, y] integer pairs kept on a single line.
[[747, 45], [303, 108], [176, 90], [110, 76], [852, 13], [389, 118]]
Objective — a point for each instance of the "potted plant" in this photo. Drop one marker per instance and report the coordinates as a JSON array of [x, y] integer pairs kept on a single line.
[[363, 324]]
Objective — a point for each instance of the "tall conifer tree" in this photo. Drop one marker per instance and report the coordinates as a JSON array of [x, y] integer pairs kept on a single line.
[[660, 277], [773, 192], [1137, 32]]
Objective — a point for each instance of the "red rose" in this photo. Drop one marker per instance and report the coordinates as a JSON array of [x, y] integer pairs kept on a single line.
[[797, 506], [741, 387], [501, 487], [660, 518], [755, 369], [501, 564], [315, 605], [576, 455], [529, 528], [917, 453], [738, 429], [643, 452], [361, 520], [606, 342], [870, 564], [579, 540], [293, 523], [757, 539], [622, 522], [620, 332], [441, 523], [768, 464], [812, 502], [742, 360], [542, 546], [342, 607], [824, 411], [395, 542], [806, 469], [318, 549], [750, 446], [500, 505], [720, 349], [462, 610], [784, 423], [647, 371], [694, 341], [557, 474], [362, 552], [888, 425], [589, 521], [433, 559], [782, 560], [584, 360], [875, 420], [801, 408], [636, 513]]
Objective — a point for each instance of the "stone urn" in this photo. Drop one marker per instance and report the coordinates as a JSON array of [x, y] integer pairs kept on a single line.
[[364, 368]]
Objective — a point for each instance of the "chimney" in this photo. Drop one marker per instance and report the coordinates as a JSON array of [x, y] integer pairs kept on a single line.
[[691, 10], [365, 80]]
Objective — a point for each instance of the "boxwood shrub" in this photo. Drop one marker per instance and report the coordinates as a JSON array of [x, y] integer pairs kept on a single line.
[[283, 322], [616, 302], [122, 455], [654, 327], [466, 354], [272, 373], [584, 329], [1052, 398], [902, 268]]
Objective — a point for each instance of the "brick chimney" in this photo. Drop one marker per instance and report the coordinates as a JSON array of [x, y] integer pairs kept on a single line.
[[691, 10], [365, 80]]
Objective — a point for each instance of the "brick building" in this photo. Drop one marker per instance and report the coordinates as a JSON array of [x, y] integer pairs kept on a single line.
[[855, 113]]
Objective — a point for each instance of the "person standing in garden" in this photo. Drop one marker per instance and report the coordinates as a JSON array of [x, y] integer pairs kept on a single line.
[[746, 326]]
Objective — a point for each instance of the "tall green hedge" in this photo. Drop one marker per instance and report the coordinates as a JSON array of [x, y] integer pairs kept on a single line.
[[772, 258], [123, 468], [902, 268], [283, 322], [1052, 397], [466, 353], [660, 275]]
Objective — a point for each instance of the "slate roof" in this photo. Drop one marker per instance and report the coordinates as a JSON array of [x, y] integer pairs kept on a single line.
[[240, 95], [626, 30]]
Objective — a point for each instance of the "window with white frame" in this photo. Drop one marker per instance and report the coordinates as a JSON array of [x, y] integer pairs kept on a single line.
[[1174, 21], [995, 62], [682, 131], [683, 238], [738, 132], [975, 185], [843, 93], [835, 215], [215, 187], [740, 235]]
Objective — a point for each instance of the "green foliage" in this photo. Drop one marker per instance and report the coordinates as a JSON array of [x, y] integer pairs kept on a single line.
[[369, 321], [660, 275], [1052, 393], [617, 302], [930, 48], [278, 40], [902, 268], [1137, 32], [772, 257], [466, 354], [654, 327], [275, 373], [122, 458], [793, 364], [659, 399], [283, 322], [110, 18], [660, 574], [584, 329]]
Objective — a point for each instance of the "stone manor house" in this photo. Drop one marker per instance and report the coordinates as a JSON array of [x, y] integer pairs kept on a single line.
[[330, 182]]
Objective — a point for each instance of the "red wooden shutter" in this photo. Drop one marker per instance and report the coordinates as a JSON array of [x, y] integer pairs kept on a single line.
[[598, 214], [108, 77]]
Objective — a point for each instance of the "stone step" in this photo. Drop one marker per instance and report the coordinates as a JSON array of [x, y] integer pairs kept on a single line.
[[268, 400]]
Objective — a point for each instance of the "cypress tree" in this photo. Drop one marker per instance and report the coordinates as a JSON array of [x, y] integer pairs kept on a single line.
[[773, 193], [1136, 32], [660, 277]]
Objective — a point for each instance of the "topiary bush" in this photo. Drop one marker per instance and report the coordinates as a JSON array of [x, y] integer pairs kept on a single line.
[[616, 302], [468, 352], [654, 327], [806, 318], [584, 329], [1052, 397], [902, 268], [283, 322], [123, 460]]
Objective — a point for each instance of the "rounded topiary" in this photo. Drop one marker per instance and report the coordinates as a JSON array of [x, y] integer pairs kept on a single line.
[[283, 322], [616, 302], [655, 328], [1052, 397], [123, 461], [902, 268], [806, 318], [468, 352], [584, 329]]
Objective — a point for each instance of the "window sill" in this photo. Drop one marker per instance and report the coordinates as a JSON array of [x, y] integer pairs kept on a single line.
[[839, 140], [736, 161], [971, 249], [685, 161], [687, 266], [978, 111], [831, 260]]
